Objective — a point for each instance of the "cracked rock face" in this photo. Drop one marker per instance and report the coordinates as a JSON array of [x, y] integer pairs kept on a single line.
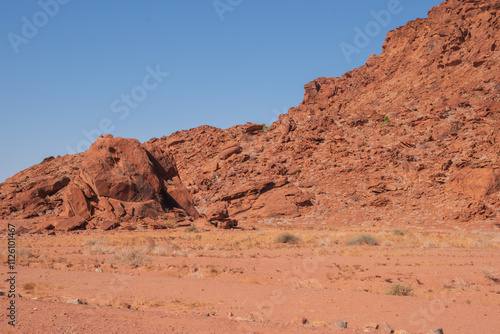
[[116, 179], [413, 136]]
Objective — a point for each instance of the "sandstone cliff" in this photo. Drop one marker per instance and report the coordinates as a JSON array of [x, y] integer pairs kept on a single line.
[[412, 136]]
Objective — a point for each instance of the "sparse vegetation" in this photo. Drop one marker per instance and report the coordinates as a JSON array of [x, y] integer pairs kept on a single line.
[[97, 246], [98, 249], [287, 238], [28, 286], [362, 239], [386, 120], [264, 127], [169, 224], [130, 257], [398, 289], [94, 241], [398, 232], [191, 229], [163, 249]]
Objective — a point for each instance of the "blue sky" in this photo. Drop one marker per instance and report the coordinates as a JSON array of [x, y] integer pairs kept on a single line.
[[143, 69]]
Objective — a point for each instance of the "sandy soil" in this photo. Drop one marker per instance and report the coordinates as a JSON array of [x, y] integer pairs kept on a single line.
[[211, 281]]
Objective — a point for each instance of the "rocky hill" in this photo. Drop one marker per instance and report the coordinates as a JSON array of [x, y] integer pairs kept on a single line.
[[411, 137]]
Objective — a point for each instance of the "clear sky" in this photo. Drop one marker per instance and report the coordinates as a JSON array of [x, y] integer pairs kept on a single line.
[[72, 69]]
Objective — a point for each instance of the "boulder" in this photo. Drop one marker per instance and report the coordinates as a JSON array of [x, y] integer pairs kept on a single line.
[[122, 169], [70, 224], [75, 203], [229, 150]]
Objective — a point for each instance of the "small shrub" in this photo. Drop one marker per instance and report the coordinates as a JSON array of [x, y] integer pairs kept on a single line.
[[398, 232], [397, 289], [96, 246], [182, 252], [163, 249], [325, 242], [94, 241], [264, 127], [362, 239], [429, 244], [386, 120], [29, 286], [191, 229], [98, 250], [169, 224], [130, 257], [286, 238]]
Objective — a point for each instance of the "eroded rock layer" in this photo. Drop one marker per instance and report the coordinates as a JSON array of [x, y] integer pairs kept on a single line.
[[410, 137]]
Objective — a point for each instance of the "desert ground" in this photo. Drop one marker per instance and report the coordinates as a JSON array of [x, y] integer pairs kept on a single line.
[[259, 279]]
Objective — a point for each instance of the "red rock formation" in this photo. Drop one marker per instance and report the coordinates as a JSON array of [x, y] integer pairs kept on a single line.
[[116, 180], [412, 136]]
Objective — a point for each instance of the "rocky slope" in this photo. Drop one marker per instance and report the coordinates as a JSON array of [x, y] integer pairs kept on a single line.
[[410, 137]]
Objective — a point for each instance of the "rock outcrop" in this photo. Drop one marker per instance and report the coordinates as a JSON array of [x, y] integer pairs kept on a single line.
[[116, 180], [412, 136]]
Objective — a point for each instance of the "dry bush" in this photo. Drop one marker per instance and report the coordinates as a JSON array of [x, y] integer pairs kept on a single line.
[[163, 249], [325, 242], [191, 229], [398, 289], [97, 246], [130, 257], [429, 244], [94, 241], [362, 239], [398, 232], [28, 286], [286, 238], [169, 224], [99, 250], [182, 252], [209, 247]]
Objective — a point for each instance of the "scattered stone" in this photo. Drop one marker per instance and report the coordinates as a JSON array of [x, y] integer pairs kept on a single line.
[[386, 328], [2, 293], [109, 225], [371, 325], [340, 324], [74, 301], [251, 127], [229, 151], [227, 224], [70, 224], [436, 331]]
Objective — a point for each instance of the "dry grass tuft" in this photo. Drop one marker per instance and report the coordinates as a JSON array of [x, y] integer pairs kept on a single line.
[[169, 224], [97, 246], [135, 257], [94, 241], [287, 238], [28, 286], [164, 249], [398, 289], [191, 229], [398, 232], [362, 239]]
